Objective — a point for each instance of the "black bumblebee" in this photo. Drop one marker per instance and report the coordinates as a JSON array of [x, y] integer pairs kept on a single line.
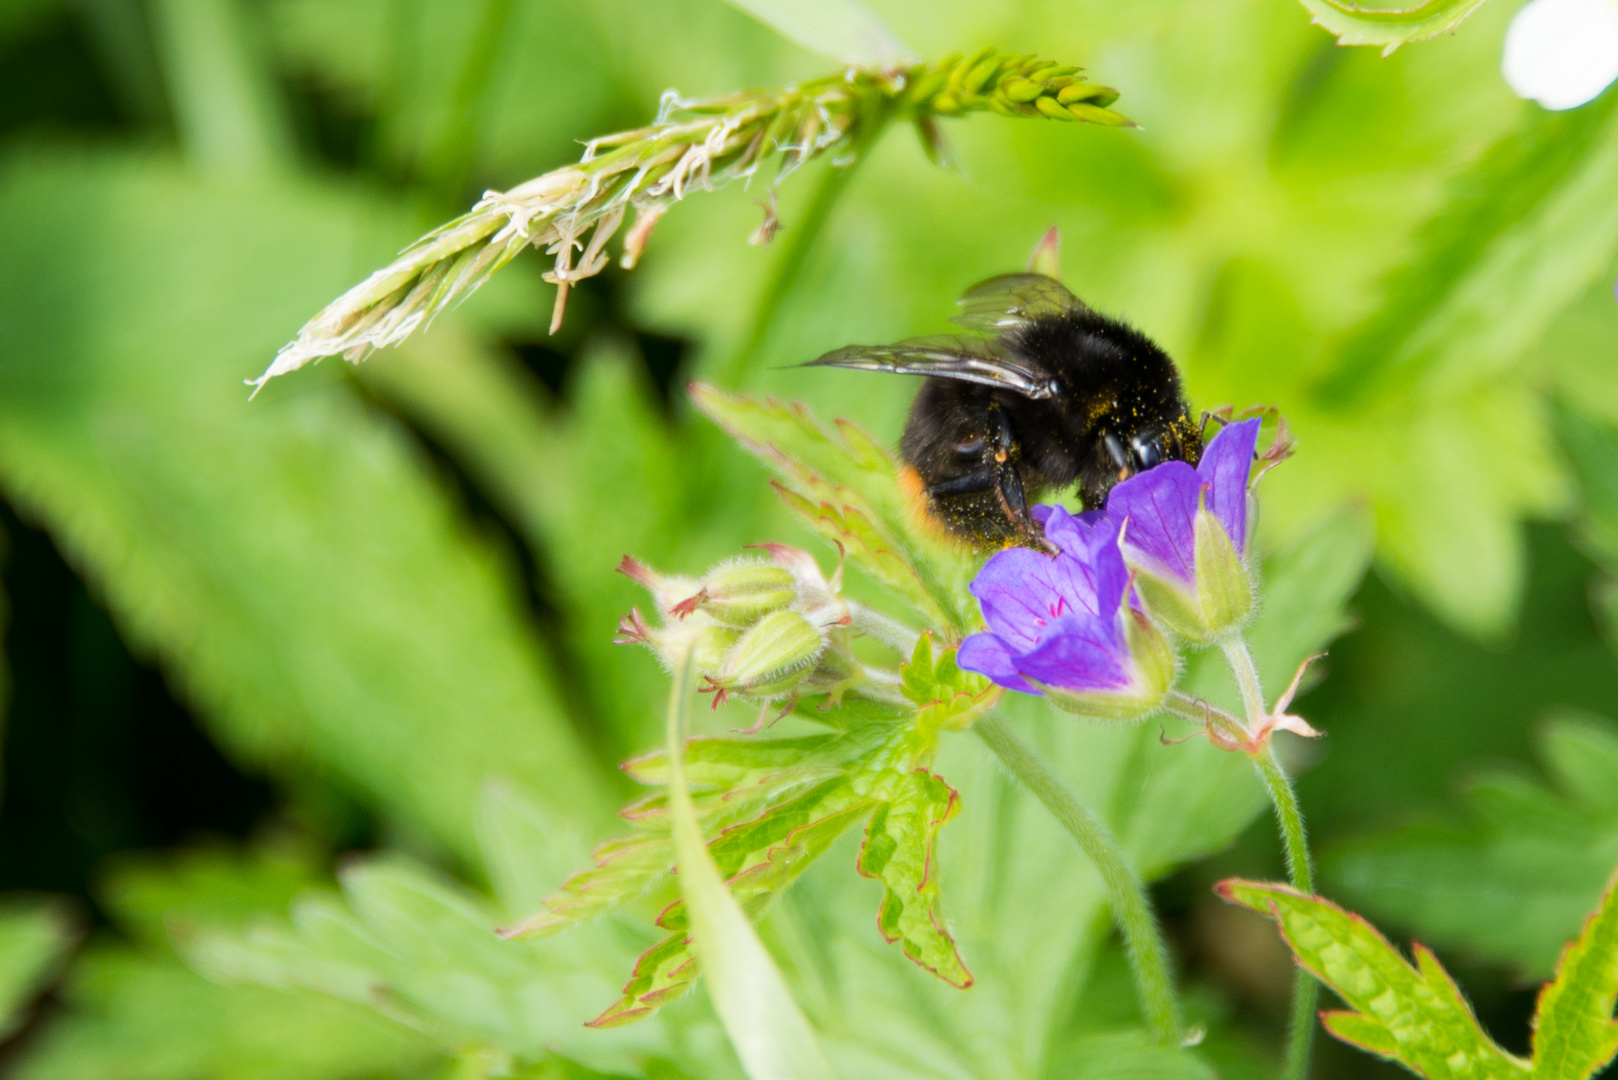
[[1040, 394]]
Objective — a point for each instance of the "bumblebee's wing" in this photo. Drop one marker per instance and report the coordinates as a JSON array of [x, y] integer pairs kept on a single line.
[[1011, 299], [966, 359]]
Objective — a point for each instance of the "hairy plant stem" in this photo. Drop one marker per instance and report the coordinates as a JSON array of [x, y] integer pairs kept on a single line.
[[1143, 939], [800, 238], [1295, 843]]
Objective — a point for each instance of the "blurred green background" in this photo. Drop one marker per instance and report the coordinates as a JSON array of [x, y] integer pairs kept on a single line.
[[243, 640]]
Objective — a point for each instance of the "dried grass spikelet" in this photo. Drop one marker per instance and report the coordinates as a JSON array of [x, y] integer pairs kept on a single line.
[[692, 145]]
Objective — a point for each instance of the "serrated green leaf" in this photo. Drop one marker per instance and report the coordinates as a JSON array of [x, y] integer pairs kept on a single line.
[[859, 483], [945, 696], [901, 851], [1413, 1015], [1574, 1032], [846, 525], [1389, 27]]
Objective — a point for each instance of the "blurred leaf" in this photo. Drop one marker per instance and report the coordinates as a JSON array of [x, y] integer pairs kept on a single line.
[[1516, 882], [844, 30], [1413, 1015], [1389, 27], [294, 563], [224, 101], [421, 952], [1522, 235], [1574, 1032], [1591, 447], [135, 1017], [766, 1028], [135, 1013], [36, 935]]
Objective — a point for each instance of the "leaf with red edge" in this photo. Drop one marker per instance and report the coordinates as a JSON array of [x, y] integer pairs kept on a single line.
[[901, 851], [1413, 1015], [1574, 1032]]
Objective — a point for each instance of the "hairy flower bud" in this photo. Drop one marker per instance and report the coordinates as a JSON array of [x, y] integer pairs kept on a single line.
[[740, 592], [770, 658], [1186, 536]]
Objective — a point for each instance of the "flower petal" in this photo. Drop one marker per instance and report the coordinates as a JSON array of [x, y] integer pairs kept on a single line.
[[1081, 653], [1225, 467], [1156, 510], [1023, 591], [987, 655]]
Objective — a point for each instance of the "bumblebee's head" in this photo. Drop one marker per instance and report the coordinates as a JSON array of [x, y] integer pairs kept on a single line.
[[1121, 453]]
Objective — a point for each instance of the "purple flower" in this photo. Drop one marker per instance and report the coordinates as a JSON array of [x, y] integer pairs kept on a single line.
[[1185, 532], [1058, 624]]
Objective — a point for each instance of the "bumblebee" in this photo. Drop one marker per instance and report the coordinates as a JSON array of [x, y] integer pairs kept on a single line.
[[1039, 395]]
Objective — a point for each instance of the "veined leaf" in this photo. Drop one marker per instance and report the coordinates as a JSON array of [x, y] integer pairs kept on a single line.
[[764, 1023], [844, 30], [945, 696], [1574, 1032], [1389, 27], [1413, 1015], [901, 850]]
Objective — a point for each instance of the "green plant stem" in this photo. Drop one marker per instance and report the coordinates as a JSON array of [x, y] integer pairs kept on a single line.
[[1148, 956], [1234, 646], [799, 238], [1295, 843], [1287, 813]]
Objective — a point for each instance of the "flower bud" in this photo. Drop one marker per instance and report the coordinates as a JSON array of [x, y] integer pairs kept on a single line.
[[1186, 536], [740, 592], [770, 658]]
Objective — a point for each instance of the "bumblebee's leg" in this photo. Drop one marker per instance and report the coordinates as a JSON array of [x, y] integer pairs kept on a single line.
[[1007, 478], [973, 482]]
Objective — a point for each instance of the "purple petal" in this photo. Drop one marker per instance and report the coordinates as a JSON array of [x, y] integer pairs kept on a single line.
[[1082, 652], [987, 655], [1224, 468], [1073, 533], [1023, 591], [1156, 510]]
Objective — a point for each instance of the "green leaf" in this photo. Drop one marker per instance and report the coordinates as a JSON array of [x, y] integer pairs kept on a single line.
[[1574, 1032], [901, 850], [764, 1023], [945, 696], [294, 564], [136, 1013], [1389, 27], [1413, 1015], [1515, 880], [844, 30], [36, 935], [859, 484]]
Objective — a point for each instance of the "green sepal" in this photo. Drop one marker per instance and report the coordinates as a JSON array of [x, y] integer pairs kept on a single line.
[[1413, 1015], [1223, 586]]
